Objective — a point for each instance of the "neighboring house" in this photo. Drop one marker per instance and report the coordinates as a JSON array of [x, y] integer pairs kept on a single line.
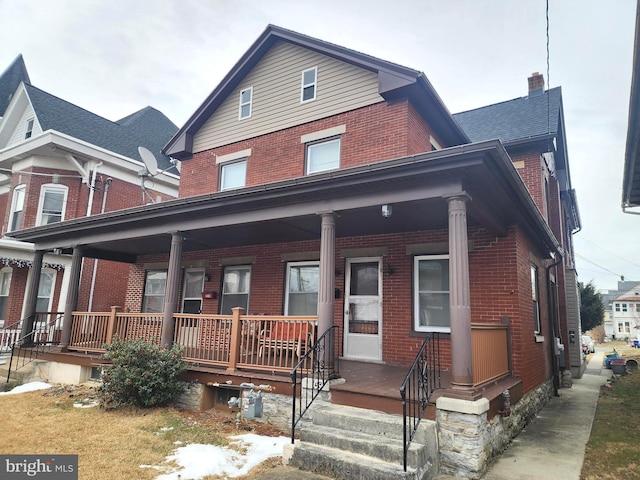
[[327, 188], [60, 162], [622, 311], [631, 171]]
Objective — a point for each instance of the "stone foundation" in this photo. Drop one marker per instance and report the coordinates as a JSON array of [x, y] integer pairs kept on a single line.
[[469, 441]]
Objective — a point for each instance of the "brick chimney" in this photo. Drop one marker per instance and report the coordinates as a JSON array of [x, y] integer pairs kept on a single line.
[[536, 83]]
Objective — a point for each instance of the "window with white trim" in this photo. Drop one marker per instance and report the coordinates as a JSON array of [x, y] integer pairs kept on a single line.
[[624, 307], [17, 207], [236, 284], [431, 311], [5, 285], [308, 85], [155, 285], [51, 207], [535, 297], [246, 97], [323, 155], [303, 279], [617, 307], [45, 290], [28, 130], [233, 174]]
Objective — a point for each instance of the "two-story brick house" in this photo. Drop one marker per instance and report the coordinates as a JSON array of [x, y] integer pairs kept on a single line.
[[60, 162], [319, 181]]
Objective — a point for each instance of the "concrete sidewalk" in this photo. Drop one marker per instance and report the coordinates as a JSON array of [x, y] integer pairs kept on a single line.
[[553, 444]]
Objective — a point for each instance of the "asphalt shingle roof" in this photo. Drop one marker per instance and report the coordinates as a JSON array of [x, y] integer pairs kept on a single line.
[[9, 81], [516, 119], [148, 127]]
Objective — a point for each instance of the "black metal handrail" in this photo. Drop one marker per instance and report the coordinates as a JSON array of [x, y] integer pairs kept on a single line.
[[43, 336], [318, 366], [421, 381]]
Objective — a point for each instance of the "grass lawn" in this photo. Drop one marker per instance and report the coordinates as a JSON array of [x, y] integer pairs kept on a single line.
[[110, 444], [613, 450]]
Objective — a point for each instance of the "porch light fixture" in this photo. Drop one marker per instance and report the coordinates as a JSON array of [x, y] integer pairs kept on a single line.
[[387, 210]]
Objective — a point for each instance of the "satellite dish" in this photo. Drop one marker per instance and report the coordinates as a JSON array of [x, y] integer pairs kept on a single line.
[[149, 160]]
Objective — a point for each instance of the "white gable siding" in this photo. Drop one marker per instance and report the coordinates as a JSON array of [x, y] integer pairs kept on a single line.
[[276, 105], [18, 132]]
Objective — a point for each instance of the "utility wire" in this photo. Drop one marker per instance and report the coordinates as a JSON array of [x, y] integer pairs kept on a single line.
[[607, 251], [599, 266]]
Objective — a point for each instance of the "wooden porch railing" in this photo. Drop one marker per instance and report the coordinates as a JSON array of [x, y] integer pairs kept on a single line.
[[238, 341], [490, 352]]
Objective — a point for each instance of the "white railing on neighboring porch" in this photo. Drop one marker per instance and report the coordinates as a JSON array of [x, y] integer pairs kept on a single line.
[[8, 337]]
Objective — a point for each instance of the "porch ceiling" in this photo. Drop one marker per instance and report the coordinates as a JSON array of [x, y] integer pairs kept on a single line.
[[286, 211]]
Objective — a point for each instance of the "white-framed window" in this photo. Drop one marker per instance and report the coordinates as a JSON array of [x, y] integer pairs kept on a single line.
[[17, 207], [303, 279], [5, 286], [431, 311], [192, 288], [45, 290], [155, 285], [535, 297], [624, 327], [617, 305], [246, 98], [236, 283], [28, 129], [308, 85], [624, 307], [51, 207], [233, 174], [323, 155]]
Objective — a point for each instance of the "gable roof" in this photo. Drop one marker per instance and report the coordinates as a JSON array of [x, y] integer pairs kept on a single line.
[[394, 81], [147, 127], [518, 119], [9, 81]]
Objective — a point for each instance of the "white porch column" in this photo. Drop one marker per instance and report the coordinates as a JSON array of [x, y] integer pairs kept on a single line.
[[459, 294], [171, 292], [327, 285]]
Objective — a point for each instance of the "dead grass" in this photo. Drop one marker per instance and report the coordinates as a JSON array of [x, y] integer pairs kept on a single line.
[[110, 444], [613, 450]]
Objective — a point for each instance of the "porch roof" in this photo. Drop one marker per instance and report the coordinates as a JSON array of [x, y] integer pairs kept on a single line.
[[284, 211]]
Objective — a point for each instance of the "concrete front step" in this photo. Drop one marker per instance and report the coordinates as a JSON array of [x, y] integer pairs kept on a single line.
[[345, 465], [347, 442], [380, 447]]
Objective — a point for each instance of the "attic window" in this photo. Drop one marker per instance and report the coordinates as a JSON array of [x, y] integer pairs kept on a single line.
[[308, 85], [246, 96], [29, 130]]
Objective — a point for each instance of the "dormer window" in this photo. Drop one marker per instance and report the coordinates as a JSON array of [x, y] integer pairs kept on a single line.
[[29, 128], [246, 97], [308, 86]]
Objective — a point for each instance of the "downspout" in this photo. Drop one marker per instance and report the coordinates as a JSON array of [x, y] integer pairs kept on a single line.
[[107, 183], [553, 328], [92, 188]]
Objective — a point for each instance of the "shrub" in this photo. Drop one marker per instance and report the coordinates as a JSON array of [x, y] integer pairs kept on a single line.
[[142, 374]]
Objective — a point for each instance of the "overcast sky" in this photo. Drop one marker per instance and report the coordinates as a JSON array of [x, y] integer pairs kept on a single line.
[[114, 57]]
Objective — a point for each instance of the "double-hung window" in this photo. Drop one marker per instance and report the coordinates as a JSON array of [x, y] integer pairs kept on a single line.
[[323, 155], [233, 174], [431, 293], [235, 288], [535, 297], [45, 290], [154, 290], [302, 288], [309, 85], [624, 307], [5, 285], [28, 131], [53, 199], [17, 207], [246, 99]]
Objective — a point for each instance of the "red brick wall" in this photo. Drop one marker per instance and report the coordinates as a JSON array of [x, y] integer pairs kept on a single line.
[[532, 176], [377, 132]]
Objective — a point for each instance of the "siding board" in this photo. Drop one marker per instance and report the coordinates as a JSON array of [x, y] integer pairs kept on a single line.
[[276, 96]]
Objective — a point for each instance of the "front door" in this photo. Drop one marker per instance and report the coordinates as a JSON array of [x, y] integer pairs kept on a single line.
[[363, 309], [192, 290]]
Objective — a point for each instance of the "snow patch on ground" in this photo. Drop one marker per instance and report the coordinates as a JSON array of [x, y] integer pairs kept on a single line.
[[27, 387], [245, 452]]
